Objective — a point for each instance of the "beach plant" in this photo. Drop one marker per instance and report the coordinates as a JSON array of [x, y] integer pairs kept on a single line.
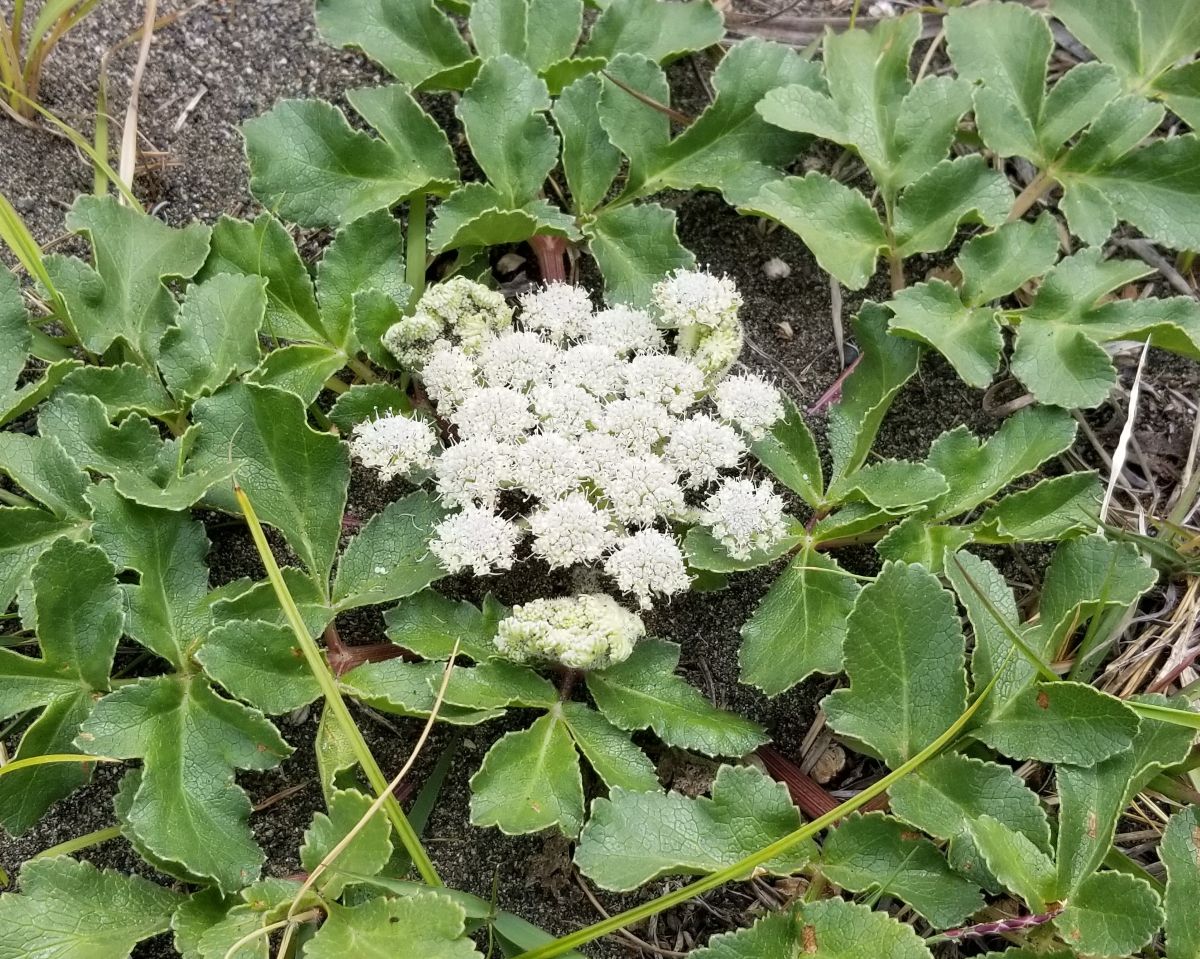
[[571, 138], [27, 39], [935, 152]]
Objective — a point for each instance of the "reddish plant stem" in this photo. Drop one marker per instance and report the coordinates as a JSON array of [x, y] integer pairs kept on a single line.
[[343, 658], [1000, 926], [834, 393], [812, 798], [551, 253]]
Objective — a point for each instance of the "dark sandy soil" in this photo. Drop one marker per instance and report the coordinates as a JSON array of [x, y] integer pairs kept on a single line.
[[245, 55]]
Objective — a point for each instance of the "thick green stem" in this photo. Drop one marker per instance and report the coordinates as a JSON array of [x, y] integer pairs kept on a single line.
[[1037, 188], [333, 698], [414, 266], [746, 866]]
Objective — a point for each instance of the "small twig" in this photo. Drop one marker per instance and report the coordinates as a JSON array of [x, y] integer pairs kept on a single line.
[[128, 161], [680, 118]]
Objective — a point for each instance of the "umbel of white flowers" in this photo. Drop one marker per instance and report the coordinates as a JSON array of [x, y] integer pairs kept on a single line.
[[602, 422]]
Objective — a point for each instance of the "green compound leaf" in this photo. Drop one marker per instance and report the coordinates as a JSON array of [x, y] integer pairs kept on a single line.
[[1054, 509], [530, 780], [309, 165], [24, 535], [1091, 800], [199, 913], [503, 114], [425, 924], [635, 246], [72, 910], [390, 557], [167, 609], [245, 601], [904, 649], [264, 248], [730, 147], [914, 540], [15, 335], [299, 368], [366, 854], [261, 903], [966, 189], [122, 804], [799, 626], [637, 128], [295, 477], [1058, 353], [190, 741], [1180, 852], [898, 129], [976, 471], [705, 552], [368, 254], [644, 693], [1061, 722], [878, 854], [80, 617], [497, 683], [1005, 48], [1086, 576], [829, 929], [1154, 187], [415, 41], [590, 161], [633, 837], [945, 794], [660, 31], [477, 214], [1112, 915], [123, 295], [124, 388], [891, 485], [539, 33], [407, 689], [143, 467], [790, 453], [959, 323], [42, 468], [888, 362], [259, 663], [1014, 860], [617, 761], [836, 222], [366, 401], [216, 334], [969, 337], [428, 624]]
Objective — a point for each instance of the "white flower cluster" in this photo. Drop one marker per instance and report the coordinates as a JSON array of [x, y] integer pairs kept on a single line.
[[582, 632], [589, 423]]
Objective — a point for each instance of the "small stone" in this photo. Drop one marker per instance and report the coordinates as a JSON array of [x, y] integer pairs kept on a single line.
[[832, 762], [776, 269]]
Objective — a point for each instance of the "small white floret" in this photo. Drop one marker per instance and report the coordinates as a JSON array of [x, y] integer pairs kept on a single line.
[[700, 447], [581, 632], [476, 538], [571, 530], [593, 367], [559, 311], [496, 412], [518, 359], [566, 409], [664, 379], [637, 425], [640, 489], [695, 297], [647, 564], [750, 403], [394, 445], [625, 330], [449, 376], [548, 465], [473, 471], [744, 517]]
